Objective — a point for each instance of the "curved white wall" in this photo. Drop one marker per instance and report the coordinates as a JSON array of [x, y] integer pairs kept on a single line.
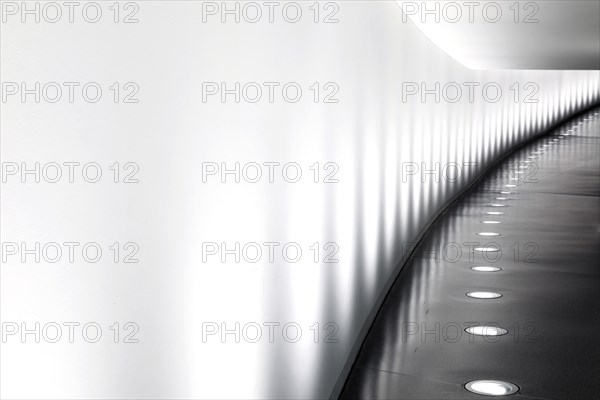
[[370, 213]]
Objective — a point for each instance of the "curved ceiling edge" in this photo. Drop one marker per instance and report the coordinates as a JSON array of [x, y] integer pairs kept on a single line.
[[533, 35]]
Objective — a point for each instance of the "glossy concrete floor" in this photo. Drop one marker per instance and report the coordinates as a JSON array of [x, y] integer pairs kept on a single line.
[[548, 197]]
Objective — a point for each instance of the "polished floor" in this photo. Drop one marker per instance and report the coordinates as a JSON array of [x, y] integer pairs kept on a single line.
[[536, 221]]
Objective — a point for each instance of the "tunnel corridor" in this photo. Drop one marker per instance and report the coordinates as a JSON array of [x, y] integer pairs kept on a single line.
[[504, 288]]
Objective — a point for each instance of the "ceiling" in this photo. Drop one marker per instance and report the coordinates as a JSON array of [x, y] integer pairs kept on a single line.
[[550, 34]]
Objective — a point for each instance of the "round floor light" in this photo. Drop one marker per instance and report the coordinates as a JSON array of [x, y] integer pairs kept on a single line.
[[491, 387], [486, 330], [486, 268], [484, 295], [487, 249]]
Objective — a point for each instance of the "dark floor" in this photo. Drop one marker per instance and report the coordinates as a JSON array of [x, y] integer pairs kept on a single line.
[[549, 282]]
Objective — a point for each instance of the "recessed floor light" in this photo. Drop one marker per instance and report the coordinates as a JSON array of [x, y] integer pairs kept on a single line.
[[486, 330], [510, 185], [506, 192], [488, 234], [491, 222], [497, 205], [502, 198], [518, 172], [494, 213], [487, 249], [491, 387], [484, 295], [486, 268]]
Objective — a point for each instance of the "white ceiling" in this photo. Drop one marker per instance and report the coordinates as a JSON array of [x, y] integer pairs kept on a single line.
[[558, 34]]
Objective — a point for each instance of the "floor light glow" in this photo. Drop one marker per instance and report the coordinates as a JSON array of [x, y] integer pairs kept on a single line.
[[484, 295], [486, 330], [491, 387], [487, 249], [485, 268]]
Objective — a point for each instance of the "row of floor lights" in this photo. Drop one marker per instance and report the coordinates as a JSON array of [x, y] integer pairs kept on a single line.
[[489, 387], [495, 387]]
